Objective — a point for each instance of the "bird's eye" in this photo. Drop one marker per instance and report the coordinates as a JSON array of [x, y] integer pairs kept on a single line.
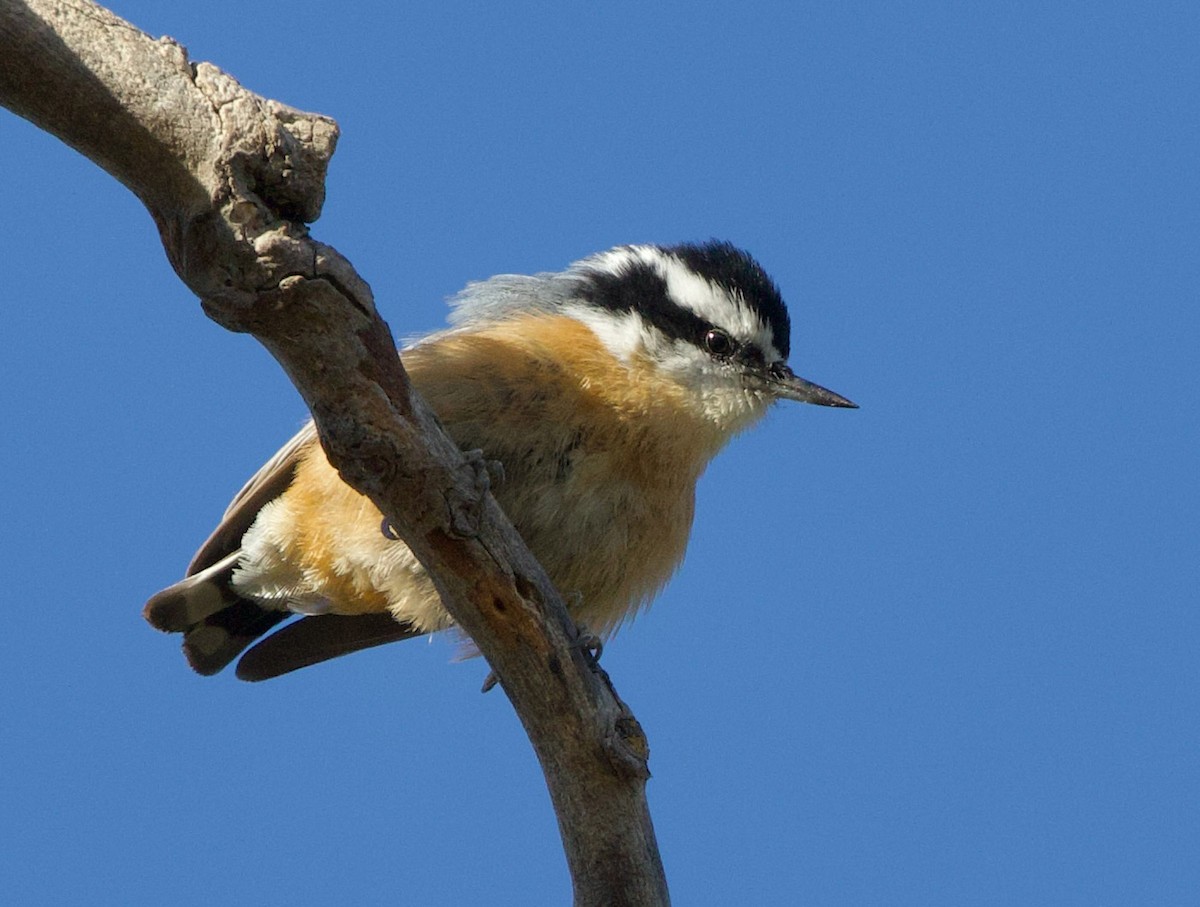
[[720, 344]]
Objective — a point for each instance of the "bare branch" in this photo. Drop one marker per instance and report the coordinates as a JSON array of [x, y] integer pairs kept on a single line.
[[231, 179]]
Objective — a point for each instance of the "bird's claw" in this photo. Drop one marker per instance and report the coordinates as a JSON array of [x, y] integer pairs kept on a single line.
[[590, 644]]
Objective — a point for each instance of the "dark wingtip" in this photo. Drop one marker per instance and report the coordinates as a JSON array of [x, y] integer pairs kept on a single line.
[[312, 640]]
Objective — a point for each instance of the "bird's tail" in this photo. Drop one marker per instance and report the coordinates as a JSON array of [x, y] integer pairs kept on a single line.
[[218, 624]]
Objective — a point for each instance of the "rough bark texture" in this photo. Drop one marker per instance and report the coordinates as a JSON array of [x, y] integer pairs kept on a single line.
[[231, 179]]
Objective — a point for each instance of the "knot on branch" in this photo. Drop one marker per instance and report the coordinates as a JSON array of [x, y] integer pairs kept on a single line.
[[627, 748], [361, 465], [466, 503]]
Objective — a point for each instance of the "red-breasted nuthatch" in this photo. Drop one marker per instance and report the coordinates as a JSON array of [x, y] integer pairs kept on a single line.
[[604, 390]]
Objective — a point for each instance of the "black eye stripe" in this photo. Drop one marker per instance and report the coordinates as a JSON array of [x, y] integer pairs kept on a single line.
[[638, 287], [737, 273]]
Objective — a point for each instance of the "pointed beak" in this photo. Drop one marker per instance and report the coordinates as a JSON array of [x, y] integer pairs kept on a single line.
[[787, 385]]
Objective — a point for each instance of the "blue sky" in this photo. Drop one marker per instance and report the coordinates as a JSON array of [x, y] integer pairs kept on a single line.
[[939, 651]]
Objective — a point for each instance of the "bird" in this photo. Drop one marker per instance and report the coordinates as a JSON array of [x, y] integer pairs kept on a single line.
[[602, 390]]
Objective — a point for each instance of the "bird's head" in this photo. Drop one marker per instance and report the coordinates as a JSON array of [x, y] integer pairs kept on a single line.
[[705, 317]]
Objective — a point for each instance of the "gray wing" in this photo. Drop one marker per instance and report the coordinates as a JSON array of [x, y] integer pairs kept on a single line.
[[265, 485]]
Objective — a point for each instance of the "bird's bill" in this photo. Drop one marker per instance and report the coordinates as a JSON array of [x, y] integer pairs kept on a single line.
[[787, 385]]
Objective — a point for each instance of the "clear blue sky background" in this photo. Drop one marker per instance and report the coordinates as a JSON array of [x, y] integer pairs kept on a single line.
[[939, 651]]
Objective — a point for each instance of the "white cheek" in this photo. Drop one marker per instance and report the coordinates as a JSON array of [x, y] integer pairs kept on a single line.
[[624, 335], [719, 396], [733, 408]]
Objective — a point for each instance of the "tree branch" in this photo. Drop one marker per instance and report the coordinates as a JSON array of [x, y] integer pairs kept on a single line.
[[231, 179]]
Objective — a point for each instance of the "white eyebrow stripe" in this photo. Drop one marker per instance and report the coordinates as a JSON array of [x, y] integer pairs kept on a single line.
[[715, 304]]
